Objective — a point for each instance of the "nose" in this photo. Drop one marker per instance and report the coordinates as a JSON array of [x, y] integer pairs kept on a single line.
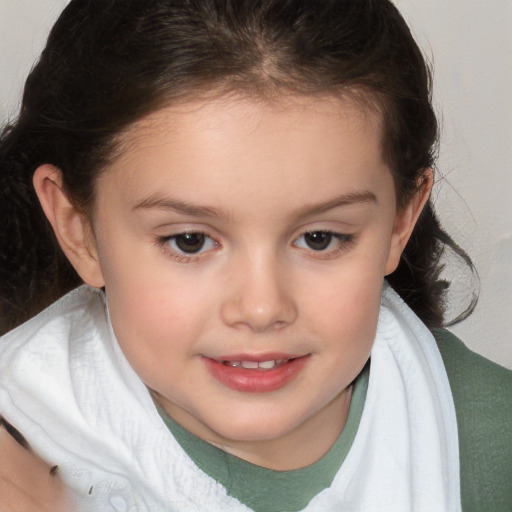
[[259, 296]]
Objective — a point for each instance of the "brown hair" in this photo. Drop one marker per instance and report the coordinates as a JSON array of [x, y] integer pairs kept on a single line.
[[108, 63]]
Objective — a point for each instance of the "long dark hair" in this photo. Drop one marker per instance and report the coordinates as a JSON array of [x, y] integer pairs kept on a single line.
[[108, 63]]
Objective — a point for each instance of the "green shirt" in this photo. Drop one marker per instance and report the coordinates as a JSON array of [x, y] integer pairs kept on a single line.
[[482, 393]]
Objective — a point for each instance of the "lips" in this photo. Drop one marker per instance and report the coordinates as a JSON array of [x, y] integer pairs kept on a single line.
[[260, 374], [255, 365]]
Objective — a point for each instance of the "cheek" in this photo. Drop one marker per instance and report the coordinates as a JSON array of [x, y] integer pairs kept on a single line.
[[155, 325], [352, 314], [345, 308], [157, 316]]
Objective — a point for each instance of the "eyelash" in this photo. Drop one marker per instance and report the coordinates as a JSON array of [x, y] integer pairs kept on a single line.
[[344, 242], [181, 256]]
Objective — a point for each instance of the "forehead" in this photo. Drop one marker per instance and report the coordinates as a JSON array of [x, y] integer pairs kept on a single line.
[[238, 146], [210, 111]]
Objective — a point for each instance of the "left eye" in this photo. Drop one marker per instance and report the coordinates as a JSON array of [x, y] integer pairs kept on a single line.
[[320, 240], [191, 243]]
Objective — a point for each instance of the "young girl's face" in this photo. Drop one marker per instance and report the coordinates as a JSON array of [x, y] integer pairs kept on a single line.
[[243, 247]]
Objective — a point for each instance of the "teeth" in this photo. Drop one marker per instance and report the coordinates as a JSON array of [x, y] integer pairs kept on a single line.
[[254, 365], [250, 365]]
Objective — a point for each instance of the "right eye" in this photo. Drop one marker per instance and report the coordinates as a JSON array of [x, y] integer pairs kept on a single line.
[[190, 243]]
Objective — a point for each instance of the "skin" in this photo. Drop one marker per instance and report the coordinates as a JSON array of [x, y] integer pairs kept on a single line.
[[255, 177], [27, 483]]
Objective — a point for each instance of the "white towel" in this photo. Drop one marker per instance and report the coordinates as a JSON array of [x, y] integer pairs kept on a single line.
[[65, 384]]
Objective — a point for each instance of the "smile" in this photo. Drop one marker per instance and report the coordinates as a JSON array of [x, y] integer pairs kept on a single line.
[[267, 374], [255, 365]]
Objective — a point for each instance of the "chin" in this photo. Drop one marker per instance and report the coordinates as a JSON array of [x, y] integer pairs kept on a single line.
[[259, 428]]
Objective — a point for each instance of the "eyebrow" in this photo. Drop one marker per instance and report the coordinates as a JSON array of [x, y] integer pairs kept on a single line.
[[177, 206], [344, 200], [193, 210]]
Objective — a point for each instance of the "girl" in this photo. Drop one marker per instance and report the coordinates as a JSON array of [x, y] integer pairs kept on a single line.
[[243, 187]]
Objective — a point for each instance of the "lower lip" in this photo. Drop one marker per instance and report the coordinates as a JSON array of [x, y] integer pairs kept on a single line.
[[255, 381]]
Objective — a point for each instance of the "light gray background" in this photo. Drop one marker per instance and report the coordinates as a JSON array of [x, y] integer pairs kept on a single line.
[[470, 43]]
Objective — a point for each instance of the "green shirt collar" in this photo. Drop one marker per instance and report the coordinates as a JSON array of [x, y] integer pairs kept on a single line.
[[267, 490]]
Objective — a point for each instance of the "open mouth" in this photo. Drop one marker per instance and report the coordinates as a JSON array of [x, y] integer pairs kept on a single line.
[[258, 374], [255, 365]]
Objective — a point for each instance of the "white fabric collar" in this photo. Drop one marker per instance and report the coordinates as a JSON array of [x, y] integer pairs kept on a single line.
[[65, 384]]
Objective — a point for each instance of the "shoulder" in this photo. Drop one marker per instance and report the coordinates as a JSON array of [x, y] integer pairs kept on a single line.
[[61, 321], [482, 394], [36, 355], [472, 375]]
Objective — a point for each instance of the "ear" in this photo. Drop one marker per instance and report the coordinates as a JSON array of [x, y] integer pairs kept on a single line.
[[71, 227], [406, 219]]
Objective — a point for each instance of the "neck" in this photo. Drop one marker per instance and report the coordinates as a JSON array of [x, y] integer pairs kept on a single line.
[[298, 448]]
